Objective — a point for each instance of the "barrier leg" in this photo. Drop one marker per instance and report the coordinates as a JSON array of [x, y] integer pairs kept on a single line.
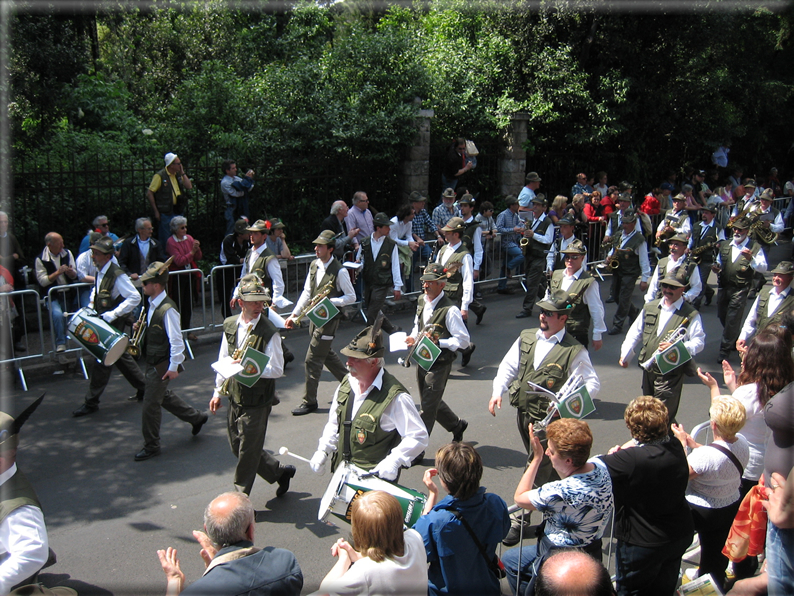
[[22, 378]]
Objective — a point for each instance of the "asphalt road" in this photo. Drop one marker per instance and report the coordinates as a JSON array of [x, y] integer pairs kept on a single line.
[[107, 515]]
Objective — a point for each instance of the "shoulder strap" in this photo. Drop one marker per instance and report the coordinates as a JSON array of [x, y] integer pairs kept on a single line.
[[494, 564], [347, 424], [729, 454]]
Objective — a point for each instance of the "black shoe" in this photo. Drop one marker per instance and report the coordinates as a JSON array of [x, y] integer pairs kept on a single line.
[[283, 480], [197, 426], [275, 401], [145, 454], [610, 300], [480, 314], [457, 434], [523, 315], [708, 299], [304, 408], [514, 535], [84, 410], [466, 355], [137, 397], [418, 459], [288, 357], [722, 357], [615, 330], [507, 291]]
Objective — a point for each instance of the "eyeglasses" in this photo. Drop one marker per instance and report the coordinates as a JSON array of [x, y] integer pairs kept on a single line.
[[571, 257], [104, 225]]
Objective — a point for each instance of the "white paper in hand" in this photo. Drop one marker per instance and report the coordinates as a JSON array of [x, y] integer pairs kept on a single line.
[[226, 367], [397, 341]]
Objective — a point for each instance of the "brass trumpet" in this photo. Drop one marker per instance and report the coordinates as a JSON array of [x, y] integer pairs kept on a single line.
[[319, 297], [236, 355], [134, 347]]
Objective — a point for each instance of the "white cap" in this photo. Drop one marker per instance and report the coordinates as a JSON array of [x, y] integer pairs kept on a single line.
[[169, 157]]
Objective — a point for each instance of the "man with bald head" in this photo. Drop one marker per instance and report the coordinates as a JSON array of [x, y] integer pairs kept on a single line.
[[234, 564], [346, 239], [55, 266], [573, 573]]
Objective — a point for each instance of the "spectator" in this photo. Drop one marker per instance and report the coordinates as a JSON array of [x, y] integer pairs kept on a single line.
[[581, 187], [235, 193], [186, 251], [773, 183], [445, 211], [137, 252], [11, 256], [601, 183], [653, 523], [573, 573], [578, 205], [401, 231], [234, 565], [456, 164], [575, 508], [166, 194], [652, 205], [665, 202], [510, 226], [360, 217], [607, 203], [559, 207], [714, 479], [346, 239], [388, 559], [455, 528], [488, 230], [55, 266], [593, 210], [101, 225], [233, 250], [276, 241], [423, 227], [693, 203], [532, 183]]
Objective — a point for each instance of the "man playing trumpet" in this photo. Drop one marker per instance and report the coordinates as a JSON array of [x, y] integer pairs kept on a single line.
[[113, 298], [449, 332], [249, 407], [656, 326], [324, 272]]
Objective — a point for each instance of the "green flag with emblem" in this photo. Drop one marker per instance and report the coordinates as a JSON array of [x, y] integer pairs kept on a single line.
[[673, 357], [253, 363], [577, 404], [425, 353], [323, 312]]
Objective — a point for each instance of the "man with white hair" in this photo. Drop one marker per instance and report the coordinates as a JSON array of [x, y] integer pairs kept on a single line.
[[234, 565], [166, 194], [346, 239], [381, 430], [137, 252]]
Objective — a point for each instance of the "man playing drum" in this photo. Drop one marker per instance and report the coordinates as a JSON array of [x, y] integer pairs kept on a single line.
[[163, 352], [249, 407], [113, 298], [386, 432]]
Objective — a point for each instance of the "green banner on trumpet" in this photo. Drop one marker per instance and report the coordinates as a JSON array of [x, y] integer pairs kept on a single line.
[[426, 352], [253, 363], [577, 405], [323, 312], [673, 357]]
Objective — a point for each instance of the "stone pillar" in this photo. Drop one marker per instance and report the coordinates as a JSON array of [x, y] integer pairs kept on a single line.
[[513, 163], [416, 167]]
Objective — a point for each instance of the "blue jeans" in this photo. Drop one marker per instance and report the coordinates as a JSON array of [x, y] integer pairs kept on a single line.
[[649, 571], [512, 258], [228, 214], [780, 560], [513, 565], [57, 307], [165, 229]]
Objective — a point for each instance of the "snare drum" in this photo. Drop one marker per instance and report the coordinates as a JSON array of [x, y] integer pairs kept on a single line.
[[347, 485], [106, 343]]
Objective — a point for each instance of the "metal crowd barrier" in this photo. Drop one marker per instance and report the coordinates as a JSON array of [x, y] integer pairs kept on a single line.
[[9, 323], [182, 281], [69, 298]]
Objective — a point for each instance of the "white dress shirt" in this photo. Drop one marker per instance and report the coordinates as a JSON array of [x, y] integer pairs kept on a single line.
[[553, 252], [548, 237], [123, 287], [775, 300], [273, 270], [454, 322], [704, 229], [400, 415], [592, 298], [342, 284], [694, 340], [24, 547], [375, 245], [467, 270], [275, 366], [173, 328], [610, 232], [695, 283], [758, 263], [508, 368], [684, 228]]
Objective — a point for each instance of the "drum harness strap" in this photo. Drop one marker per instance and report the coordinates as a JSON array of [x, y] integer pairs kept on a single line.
[[495, 565], [348, 423]]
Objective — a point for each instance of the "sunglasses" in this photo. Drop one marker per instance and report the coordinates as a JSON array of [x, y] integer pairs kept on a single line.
[[547, 313], [668, 287]]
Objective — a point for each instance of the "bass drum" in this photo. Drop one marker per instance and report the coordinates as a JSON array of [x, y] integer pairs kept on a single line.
[[105, 343]]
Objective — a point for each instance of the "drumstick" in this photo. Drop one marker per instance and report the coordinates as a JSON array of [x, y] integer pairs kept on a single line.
[[285, 451]]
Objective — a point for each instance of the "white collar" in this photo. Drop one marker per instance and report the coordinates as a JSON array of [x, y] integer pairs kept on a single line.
[[6, 476]]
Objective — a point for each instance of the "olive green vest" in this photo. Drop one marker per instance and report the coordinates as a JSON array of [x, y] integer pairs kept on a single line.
[[454, 287], [579, 317], [103, 299], [740, 273], [536, 249], [17, 492], [369, 443], [260, 266], [469, 230], [629, 261], [439, 317], [156, 346], [166, 197], [763, 319], [553, 373], [331, 274], [650, 338], [377, 272], [264, 390], [662, 267]]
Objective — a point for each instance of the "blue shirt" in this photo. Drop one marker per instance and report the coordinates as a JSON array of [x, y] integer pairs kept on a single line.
[[505, 222], [422, 224], [456, 564]]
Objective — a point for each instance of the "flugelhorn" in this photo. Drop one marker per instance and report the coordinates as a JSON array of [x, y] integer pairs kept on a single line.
[[319, 297], [134, 347], [236, 355], [672, 337], [406, 362]]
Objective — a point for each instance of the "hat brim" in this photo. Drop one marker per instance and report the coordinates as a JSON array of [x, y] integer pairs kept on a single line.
[[549, 306], [348, 351]]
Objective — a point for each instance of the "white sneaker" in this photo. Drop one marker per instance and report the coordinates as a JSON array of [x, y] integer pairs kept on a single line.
[[60, 348], [691, 574]]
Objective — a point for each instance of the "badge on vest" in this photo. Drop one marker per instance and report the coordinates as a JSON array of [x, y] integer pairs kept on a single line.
[[361, 436]]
